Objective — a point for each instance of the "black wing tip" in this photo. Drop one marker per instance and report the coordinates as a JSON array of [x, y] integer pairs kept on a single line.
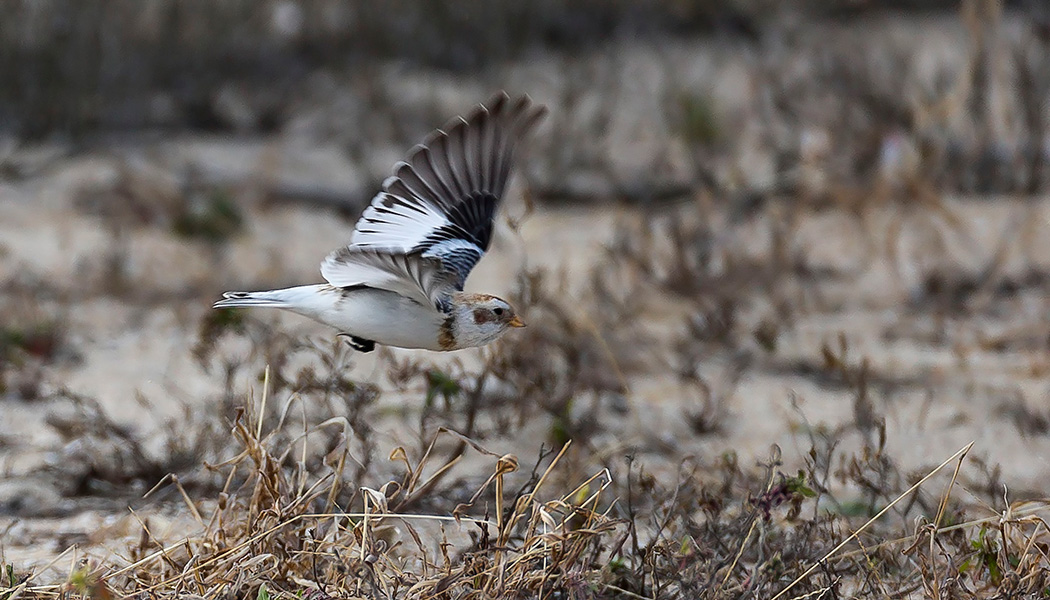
[[521, 108], [498, 98], [500, 105], [521, 116]]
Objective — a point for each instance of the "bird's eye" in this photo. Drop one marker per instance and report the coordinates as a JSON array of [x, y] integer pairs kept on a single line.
[[499, 312]]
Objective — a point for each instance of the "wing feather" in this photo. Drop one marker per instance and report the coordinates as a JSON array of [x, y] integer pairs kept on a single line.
[[407, 178], [467, 159], [432, 221], [464, 169], [420, 278], [487, 144]]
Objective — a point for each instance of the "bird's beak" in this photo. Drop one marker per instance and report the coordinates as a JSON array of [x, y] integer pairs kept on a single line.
[[516, 322]]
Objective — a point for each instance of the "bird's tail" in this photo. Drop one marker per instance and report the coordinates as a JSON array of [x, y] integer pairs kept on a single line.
[[290, 298]]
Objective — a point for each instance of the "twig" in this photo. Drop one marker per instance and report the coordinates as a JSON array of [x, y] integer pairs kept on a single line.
[[958, 455]]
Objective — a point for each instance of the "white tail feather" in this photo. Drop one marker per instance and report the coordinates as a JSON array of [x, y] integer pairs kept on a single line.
[[300, 299], [249, 299]]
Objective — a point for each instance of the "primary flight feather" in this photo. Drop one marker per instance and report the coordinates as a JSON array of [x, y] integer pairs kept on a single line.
[[400, 280]]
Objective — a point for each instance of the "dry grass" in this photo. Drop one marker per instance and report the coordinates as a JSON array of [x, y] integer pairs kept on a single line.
[[290, 523], [292, 501], [278, 489]]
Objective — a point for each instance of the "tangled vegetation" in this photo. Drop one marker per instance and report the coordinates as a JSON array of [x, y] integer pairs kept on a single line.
[[818, 241]]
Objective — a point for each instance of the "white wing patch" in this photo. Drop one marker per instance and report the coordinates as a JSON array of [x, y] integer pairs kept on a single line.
[[419, 278], [397, 222]]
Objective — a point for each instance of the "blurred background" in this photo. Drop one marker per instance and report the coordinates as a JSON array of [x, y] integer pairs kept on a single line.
[[817, 224]]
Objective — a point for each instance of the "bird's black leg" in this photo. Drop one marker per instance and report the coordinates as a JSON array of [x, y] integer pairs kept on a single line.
[[359, 344]]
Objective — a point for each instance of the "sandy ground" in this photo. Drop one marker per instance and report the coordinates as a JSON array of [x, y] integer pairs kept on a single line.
[[953, 378], [940, 378]]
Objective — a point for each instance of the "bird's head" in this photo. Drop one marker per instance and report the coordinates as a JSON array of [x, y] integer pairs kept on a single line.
[[481, 318]]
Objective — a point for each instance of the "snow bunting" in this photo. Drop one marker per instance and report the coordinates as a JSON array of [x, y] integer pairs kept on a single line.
[[400, 281]]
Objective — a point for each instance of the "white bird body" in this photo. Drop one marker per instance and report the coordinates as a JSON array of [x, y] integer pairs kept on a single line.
[[400, 281], [383, 317]]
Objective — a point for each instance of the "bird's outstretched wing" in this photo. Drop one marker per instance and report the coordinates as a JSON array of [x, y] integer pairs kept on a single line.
[[438, 207], [423, 279]]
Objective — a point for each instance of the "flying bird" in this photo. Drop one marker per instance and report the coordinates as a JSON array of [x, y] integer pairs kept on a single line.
[[400, 280]]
